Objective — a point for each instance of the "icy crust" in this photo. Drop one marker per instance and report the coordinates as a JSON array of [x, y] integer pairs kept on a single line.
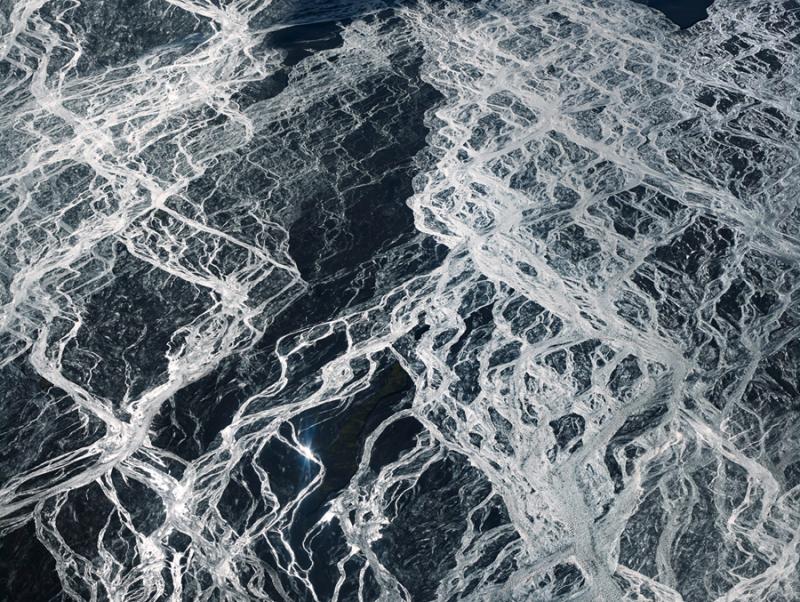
[[620, 201], [236, 366], [203, 247]]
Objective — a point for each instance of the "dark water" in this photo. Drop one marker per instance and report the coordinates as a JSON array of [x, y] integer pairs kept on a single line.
[[684, 13]]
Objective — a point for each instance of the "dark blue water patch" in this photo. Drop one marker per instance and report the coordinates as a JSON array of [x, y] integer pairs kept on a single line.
[[398, 437], [27, 570], [378, 149], [301, 12], [684, 13], [302, 41]]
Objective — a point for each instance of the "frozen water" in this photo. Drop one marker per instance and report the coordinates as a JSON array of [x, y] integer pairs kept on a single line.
[[440, 300]]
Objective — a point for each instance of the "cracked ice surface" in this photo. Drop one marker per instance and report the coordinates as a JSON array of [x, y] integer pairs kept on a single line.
[[439, 301]]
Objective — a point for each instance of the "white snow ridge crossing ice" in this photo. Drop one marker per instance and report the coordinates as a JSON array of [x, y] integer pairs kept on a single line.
[[425, 300]]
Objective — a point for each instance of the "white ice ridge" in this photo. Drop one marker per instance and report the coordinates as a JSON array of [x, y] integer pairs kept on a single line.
[[604, 365]]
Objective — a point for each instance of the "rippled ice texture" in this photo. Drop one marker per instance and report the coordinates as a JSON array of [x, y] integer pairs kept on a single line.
[[448, 300]]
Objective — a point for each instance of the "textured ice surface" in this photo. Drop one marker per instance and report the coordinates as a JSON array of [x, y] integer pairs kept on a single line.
[[491, 300]]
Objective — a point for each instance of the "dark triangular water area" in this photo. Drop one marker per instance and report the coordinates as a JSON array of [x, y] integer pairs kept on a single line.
[[684, 13]]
